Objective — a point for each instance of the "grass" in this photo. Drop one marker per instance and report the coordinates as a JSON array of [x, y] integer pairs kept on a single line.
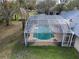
[[49, 52], [12, 47], [17, 50]]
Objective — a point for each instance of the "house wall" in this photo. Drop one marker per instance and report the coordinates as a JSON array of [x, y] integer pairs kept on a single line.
[[77, 44], [58, 37]]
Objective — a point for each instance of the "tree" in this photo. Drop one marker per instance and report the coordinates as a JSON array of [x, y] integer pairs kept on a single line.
[[7, 9], [72, 4], [31, 4], [28, 4], [59, 8], [45, 5]]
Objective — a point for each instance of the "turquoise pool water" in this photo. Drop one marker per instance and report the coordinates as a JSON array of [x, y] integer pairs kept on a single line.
[[43, 33]]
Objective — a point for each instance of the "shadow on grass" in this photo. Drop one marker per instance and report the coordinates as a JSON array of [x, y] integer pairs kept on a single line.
[[8, 41], [20, 51]]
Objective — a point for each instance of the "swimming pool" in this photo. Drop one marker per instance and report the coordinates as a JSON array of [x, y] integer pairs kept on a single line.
[[43, 33]]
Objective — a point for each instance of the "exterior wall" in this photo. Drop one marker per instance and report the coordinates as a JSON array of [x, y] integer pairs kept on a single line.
[[77, 44], [57, 1], [57, 32], [58, 37]]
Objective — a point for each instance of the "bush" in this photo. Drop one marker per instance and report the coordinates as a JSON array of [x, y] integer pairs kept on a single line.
[[1, 21]]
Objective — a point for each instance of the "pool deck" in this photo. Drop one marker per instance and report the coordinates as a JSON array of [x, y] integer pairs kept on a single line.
[[38, 42]]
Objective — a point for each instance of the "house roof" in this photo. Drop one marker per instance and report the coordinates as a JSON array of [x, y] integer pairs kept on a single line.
[[57, 1], [70, 14], [74, 16]]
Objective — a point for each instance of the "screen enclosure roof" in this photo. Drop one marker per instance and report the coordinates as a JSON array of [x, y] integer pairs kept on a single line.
[[56, 23]]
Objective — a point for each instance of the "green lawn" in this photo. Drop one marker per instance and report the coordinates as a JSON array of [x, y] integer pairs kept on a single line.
[[12, 47], [15, 49], [49, 52]]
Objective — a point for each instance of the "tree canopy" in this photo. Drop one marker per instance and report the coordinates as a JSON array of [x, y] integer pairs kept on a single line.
[[45, 5], [7, 10], [72, 4]]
